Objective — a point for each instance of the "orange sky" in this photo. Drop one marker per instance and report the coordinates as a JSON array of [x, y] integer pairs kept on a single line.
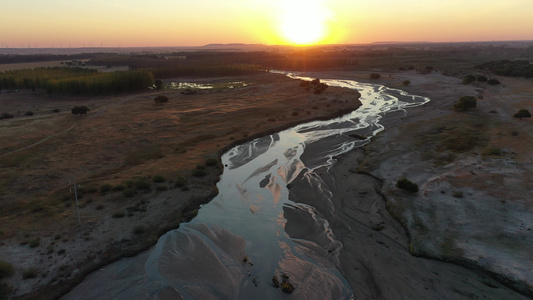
[[111, 23]]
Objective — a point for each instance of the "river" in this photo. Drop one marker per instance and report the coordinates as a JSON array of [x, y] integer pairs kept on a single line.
[[237, 243]]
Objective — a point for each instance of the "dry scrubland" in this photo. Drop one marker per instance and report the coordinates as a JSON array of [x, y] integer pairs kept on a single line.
[[143, 167], [475, 174]]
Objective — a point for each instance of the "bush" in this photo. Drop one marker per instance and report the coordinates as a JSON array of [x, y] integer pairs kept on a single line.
[[56, 110], [469, 79], [6, 116], [161, 99], [493, 81], [465, 103], [28, 113], [129, 192], [35, 243], [482, 78], [375, 76], [118, 188], [199, 173], [407, 185], [406, 82], [118, 214], [6, 269], [180, 182], [141, 184], [5, 290], [30, 273], [139, 229], [104, 188], [211, 162], [80, 110], [523, 113], [158, 178]]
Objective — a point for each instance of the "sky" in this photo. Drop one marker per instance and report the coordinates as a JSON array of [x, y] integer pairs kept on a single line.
[[157, 23]]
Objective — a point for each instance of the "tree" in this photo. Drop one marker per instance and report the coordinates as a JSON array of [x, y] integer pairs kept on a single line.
[[161, 99], [465, 103], [80, 110], [523, 113], [158, 84], [407, 185]]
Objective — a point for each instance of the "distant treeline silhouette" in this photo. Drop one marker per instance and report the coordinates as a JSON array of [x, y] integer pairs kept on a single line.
[[76, 81], [516, 68]]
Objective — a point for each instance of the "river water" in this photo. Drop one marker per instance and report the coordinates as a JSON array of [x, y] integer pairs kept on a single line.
[[237, 243]]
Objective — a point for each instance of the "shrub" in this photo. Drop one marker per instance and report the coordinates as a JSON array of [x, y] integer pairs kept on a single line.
[[6, 269], [469, 79], [6, 116], [129, 192], [5, 290], [199, 173], [523, 113], [406, 82], [35, 243], [142, 184], [161, 99], [28, 113], [211, 162], [319, 88], [139, 229], [493, 81], [375, 76], [104, 188], [56, 110], [457, 194], [180, 182], [158, 178], [118, 214], [30, 273], [80, 110], [407, 185], [465, 103], [119, 187], [482, 78], [161, 188]]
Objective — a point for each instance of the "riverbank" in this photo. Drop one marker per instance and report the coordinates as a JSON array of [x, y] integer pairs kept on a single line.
[[168, 148], [473, 207]]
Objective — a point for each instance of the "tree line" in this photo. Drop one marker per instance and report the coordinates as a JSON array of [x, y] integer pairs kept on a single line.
[[76, 81], [516, 68]]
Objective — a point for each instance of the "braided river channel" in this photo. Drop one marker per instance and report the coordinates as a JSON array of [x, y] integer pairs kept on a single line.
[[237, 243]]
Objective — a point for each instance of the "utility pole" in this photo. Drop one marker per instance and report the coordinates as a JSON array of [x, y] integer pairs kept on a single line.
[[76, 186]]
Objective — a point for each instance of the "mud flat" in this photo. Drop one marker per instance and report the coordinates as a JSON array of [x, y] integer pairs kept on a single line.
[[467, 232]]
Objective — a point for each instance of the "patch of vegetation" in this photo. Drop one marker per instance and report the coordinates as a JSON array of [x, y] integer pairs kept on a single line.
[[406, 82], [211, 162], [493, 81], [118, 188], [492, 151], [469, 79], [139, 229], [158, 178], [141, 155], [375, 76], [160, 99], [5, 291], [6, 116], [457, 194], [161, 188], [104, 188], [30, 273], [180, 182], [28, 113], [118, 214], [129, 192], [514, 68], [199, 173], [407, 185], [465, 103], [80, 110], [56, 110], [6, 269], [35, 243], [522, 113]]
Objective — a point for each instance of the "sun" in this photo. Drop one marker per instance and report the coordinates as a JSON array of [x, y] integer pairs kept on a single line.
[[303, 22]]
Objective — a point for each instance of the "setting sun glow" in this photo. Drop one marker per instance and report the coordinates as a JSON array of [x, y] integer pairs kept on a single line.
[[304, 22]]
